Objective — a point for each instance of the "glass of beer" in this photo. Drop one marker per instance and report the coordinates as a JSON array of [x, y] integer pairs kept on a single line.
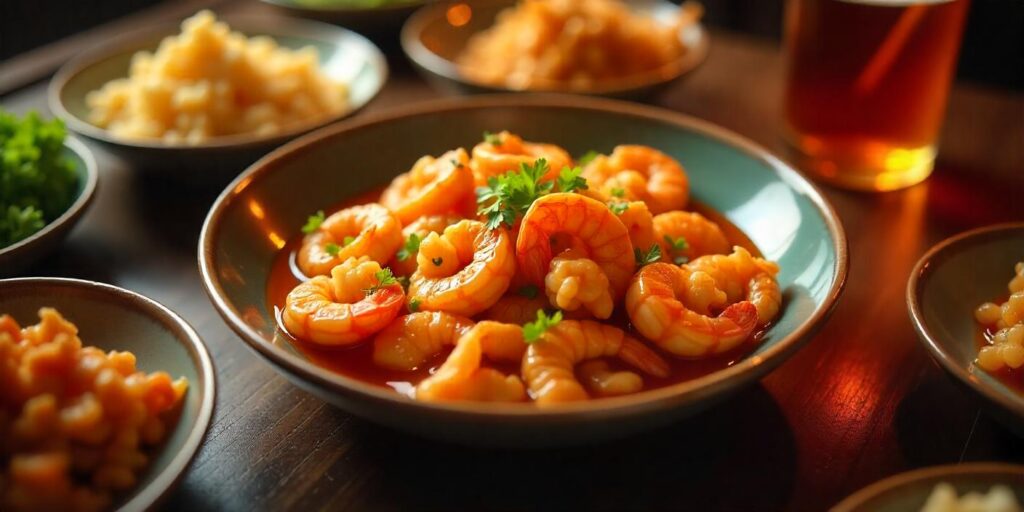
[[867, 87]]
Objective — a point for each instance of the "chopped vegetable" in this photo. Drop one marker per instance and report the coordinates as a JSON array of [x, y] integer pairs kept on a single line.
[[412, 245], [384, 279], [569, 180], [645, 258], [587, 157], [313, 222], [618, 192], [332, 249], [345, 242], [37, 182], [618, 208], [492, 139], [678, 244], [533, 330], [507, 196], [414, 305]]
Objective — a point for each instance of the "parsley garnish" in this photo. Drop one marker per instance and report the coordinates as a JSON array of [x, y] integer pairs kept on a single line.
[[332, 249], [529, 291], [414, 305], [569, 180], [652, 255], [510, 195], [345, 242], [678, 244], [313, 222], [384, 279], [455, 163], [618, 192], [492, 139], [533, 330], [412, 244], [587, 157], [618, 208]]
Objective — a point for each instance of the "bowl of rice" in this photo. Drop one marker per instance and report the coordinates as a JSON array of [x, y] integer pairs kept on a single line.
[[972, 487], [206, 97]]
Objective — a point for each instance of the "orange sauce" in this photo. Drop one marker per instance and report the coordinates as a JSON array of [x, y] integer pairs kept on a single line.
[[357, 362]]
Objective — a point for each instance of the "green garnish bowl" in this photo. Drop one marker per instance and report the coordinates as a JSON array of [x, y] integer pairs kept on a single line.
[[908, 492], [344, 55], [783, 214], [17, 257], [952, 279], [433, 44]]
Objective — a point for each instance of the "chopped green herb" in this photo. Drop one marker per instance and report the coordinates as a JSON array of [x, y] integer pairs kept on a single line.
[[492, 139], [455, 163], [412, 245], [332, 249], [529, 291], [587, 157], [644, 258], [345, 242], [677, 244], [569, 180], [384, 279], [510, 195], [618, 208], [414, 305], [533, 330], [313, 222], [437, 261], [618, 192], [680, 260], [404, 281]]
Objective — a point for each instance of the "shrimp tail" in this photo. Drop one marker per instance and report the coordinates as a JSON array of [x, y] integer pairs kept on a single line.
[[640, 356], [744, 315]]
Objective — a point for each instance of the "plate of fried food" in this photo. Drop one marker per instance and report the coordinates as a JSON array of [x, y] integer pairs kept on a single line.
[[596, 47], [523, 271]]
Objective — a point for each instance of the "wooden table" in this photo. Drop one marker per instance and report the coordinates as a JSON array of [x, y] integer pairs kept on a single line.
[[862, 401]]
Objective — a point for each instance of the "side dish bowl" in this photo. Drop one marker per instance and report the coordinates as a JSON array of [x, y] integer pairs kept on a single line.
[[380, 23], [113, 318], [433, 43], [18, 256], [907, 492], [785, 216], [344, 55], [947, 284]]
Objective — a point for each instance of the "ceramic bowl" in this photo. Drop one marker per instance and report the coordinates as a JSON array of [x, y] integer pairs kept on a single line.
[[786, 217], [947, 284], [381, 23], [344, 55], [113, 318], [20, 255], [433, 43], [907, 492]]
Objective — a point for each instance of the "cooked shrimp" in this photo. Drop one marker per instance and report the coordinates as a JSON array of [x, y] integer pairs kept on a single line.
[[465, 270], [600, 380], [462, 378], [656, 305], [366, 230], [420, 227], [511, 151], [433, 186], [640, 173], [548, 366], [410, 340], [575, 283], [337, 310], [701, 235], [640, 224], [582, 224], [516, 309], [743, 277]]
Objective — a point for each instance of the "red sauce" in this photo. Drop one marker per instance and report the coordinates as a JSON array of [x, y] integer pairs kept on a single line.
[[1013, 379], [357, 362]]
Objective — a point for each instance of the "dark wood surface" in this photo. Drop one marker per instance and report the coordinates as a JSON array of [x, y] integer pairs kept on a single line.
[[861, 402]]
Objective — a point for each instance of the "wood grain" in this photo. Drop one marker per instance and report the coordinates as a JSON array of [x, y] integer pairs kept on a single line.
[[862, 401]]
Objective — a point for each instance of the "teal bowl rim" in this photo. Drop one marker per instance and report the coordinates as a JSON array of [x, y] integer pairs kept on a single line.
[[140, 39], [919, 274], [676, 395], [852, 502], [419, 54], [166, 480], [74, 210]]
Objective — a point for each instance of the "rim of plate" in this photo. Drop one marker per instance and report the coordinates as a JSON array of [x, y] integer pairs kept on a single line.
[[859, 498], [936, 254], [656, 399], [76, 208], [166, 480], [142, 39], [695, 38]]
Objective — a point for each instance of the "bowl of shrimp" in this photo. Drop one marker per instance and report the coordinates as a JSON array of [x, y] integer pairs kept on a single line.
[[523, 271]]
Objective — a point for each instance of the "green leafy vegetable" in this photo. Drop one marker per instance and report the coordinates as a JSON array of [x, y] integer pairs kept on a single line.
[[651, 256], [492, 138], [313, 222], [677, 244], [618, 192], [345, 242], [37, 182], [412, 245], [569, 180], [332, 249], [529, 291], [414, 305], [618, 208], [384, 279], [533, 330], [587, 157], [507, 196]]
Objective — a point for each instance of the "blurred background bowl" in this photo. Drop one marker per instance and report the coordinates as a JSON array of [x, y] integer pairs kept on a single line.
[[20, 255], [907, 492], [433, 43], [344, 55], [381, 22]]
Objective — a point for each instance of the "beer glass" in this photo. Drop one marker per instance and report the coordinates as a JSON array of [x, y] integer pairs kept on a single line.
[[867, 83]]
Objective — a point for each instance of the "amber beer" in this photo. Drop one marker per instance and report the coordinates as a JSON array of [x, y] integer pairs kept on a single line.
[[867, 86]]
